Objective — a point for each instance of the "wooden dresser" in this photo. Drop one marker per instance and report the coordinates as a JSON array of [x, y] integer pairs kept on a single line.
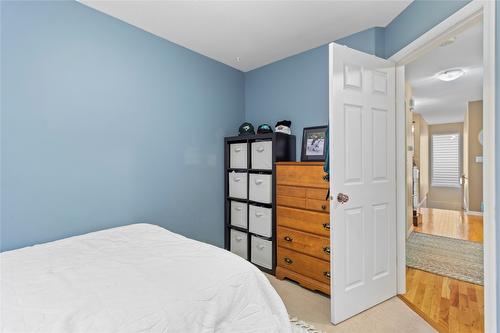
[[303, 225]]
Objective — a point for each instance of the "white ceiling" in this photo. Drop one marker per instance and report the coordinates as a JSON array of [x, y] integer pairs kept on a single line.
[[446, 102], [258, 32]]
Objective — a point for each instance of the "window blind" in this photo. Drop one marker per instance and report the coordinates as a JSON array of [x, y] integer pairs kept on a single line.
[[445, 160]]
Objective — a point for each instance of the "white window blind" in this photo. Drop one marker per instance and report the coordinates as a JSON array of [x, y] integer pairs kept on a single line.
[[445, 160]]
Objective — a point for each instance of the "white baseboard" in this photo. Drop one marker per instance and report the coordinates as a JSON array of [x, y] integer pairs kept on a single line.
[[471, 212]]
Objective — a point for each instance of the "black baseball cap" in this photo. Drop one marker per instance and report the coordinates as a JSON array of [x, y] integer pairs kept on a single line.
[[246, 129], [264, 128]]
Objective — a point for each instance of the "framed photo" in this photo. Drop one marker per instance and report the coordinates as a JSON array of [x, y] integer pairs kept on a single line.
[[314, 144]]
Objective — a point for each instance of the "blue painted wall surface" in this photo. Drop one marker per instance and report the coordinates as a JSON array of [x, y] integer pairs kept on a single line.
[[369, 41], [103, 124], [419, 17], [295, 88]]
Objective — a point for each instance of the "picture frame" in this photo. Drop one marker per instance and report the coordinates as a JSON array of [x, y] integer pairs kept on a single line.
[[314, 144]]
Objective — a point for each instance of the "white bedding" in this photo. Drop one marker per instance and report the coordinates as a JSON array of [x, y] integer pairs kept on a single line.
[[137, 278]]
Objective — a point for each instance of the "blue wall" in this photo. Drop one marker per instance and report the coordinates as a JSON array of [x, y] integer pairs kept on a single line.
[[369, 41], [419, 17], [295, 88], [103, 124]]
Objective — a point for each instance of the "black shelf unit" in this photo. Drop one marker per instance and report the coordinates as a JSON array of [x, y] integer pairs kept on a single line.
[[283, 149]]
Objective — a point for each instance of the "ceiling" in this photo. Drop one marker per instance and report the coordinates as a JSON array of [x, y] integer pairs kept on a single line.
[[255, 32], [442, 102]]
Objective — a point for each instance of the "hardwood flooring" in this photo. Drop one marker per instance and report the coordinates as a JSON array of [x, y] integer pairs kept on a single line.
[[451, 223], [449, 305]]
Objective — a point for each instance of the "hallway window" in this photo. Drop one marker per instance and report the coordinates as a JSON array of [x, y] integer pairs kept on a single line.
[[445, 160]]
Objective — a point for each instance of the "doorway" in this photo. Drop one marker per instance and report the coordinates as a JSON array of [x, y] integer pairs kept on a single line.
[[450, 168]]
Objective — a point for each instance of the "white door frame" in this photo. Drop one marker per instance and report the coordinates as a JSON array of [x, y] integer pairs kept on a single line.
[[459, 21]]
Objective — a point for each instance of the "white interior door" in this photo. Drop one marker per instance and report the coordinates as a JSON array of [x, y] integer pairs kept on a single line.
[[363, 159]]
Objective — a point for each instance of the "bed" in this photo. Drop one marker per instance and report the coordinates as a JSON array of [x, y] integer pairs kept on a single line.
[[136, 278]]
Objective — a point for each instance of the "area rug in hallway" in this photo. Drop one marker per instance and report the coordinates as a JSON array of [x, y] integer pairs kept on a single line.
[[455, 258]]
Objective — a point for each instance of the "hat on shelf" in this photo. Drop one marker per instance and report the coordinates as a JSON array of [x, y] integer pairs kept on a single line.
[[246, 129], [264, 128], [283, 126]]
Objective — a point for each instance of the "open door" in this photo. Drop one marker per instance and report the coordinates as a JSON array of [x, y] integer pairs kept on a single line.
[[363, 181]]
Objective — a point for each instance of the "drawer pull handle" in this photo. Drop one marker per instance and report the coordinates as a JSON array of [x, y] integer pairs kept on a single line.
[[239, 208], [237, 149], [258, 181], [237, 179], [260, 149], [288, 238], [260, 246], [326, 249], [239, 238], [258, 214], [323, 207], [288, 260], [327, 275], [326, 226]]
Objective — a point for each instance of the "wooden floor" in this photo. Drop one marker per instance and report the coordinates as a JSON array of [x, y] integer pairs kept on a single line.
[[451, 223], [449, 305]]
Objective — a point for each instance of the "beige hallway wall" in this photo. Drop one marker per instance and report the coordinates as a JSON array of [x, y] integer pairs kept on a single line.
[[409, 160], [473, 170], [444, 197], [421, 154]]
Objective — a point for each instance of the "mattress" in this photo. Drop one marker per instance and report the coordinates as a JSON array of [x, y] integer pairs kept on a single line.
[[136, 278]]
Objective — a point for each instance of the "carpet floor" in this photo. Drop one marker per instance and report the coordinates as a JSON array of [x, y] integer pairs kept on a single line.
[[455, 258], [391, 316]]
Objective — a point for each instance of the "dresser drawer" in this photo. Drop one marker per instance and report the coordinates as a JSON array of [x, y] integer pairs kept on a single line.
[[299, 241], [238, 155], [303, 220], [314, 268], [239, 214], [238, 185], [295, 202], [261, 188], [262, 155], [301, 175], [319, 205], [260, 220], [239, 243], [292, 191], [262, 252]]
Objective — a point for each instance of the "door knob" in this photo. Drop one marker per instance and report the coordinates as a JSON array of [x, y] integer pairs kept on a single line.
[[342, 198]]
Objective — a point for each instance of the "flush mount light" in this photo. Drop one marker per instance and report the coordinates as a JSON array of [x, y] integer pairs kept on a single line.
[[450, 74]]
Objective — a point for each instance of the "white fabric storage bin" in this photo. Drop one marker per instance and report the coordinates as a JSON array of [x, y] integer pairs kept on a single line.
[[262, 155], [238, 156], [260, 220], [238, 185], [262, 252], [239, 214], [260, 188], [239, 243]]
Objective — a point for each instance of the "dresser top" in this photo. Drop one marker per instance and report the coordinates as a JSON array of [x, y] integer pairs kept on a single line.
[[301, 163]]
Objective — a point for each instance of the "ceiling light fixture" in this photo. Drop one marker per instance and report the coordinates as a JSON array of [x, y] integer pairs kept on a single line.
[[450, 74]]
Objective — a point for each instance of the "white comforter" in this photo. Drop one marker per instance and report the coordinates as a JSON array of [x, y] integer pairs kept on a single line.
[[137, 278]]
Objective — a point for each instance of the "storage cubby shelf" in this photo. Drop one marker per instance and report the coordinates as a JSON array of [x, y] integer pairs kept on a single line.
[[282, 149]]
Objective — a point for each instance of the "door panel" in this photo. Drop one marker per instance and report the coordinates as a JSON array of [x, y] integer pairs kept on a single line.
[[363, 151]]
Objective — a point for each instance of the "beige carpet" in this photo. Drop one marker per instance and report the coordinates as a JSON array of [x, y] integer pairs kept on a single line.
[[314, 308]]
